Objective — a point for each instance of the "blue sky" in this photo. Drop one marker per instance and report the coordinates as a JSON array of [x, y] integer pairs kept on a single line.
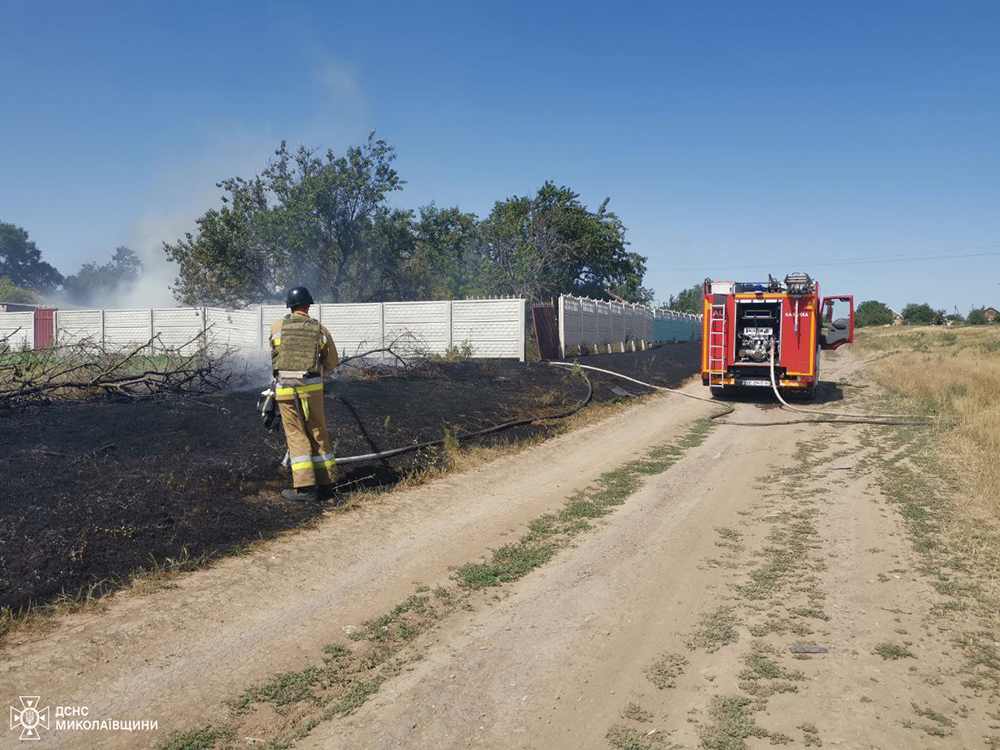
[[782, 135]]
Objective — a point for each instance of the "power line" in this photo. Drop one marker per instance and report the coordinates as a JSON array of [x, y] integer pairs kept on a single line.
[[896, 258]]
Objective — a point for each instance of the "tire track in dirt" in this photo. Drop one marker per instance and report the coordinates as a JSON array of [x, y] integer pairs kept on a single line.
[[553, 662]]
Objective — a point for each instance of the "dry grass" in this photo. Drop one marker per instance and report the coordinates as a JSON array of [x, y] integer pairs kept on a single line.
[[954, 373]]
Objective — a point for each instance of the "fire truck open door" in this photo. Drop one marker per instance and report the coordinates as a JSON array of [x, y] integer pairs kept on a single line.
[[836, 331]]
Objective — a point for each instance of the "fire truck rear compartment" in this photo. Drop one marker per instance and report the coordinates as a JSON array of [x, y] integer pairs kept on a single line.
[[758, 328]]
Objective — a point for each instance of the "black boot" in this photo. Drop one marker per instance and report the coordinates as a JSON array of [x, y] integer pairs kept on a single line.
[[327, 492], [301, 494]]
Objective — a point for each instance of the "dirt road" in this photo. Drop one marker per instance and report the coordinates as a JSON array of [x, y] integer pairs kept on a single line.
[[648, 604]]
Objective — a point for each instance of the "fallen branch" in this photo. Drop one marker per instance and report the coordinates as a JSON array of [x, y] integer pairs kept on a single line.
[[404, 351], [87, 369]]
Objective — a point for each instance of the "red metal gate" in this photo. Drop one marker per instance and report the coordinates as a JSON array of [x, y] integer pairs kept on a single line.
[[546, 332], [45, 320]]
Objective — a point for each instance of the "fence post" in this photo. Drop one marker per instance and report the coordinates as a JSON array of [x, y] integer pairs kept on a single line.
[[381, 325], [102, 326], [450, 317], [524, 341], [562, 327], [260, 327], [55, 327]]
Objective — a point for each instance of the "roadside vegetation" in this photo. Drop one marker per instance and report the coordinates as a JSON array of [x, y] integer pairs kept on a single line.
[[952, 373]]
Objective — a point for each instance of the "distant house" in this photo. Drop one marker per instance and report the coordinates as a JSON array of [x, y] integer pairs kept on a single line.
[[897, 319], [16, 307], [991, 313]]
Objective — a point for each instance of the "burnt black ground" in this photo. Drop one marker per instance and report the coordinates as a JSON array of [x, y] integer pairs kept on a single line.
[[92, 491]]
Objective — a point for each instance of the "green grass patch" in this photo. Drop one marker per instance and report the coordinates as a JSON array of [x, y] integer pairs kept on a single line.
[[733, 724], [810, 735], [715, 630], [892, 651], [621, 737], [197, 739], [635, 712], [665, 670], [763, 676], [288, 687], [354, 699]]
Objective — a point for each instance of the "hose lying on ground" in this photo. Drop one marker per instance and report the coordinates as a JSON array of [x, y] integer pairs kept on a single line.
[[911, 418], [832, 418], [468, 435]]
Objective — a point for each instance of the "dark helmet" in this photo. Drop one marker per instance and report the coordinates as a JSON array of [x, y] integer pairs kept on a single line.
[[298, 295]]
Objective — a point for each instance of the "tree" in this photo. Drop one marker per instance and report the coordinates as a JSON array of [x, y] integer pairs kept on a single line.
[[443, 252], [93, 282], [872, 313], [10, 292], [977, 317], [922, 315], [688, 300], [304, 219], [550, 243], [326, 222], [21, 261]]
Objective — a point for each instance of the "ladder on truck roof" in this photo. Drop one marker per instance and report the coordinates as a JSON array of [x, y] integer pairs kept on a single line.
[[717, 346]]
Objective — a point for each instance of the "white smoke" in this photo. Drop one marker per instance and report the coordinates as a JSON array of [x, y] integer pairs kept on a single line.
[[182, 193]]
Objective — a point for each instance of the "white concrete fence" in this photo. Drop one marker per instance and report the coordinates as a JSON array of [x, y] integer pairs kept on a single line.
[[18, 329], [619, 326], [492, 328]]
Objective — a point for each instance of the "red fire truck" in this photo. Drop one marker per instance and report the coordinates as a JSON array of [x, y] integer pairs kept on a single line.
[[749, 324]]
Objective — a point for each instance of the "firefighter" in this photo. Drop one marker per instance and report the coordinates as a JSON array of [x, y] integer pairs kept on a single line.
[[302, 354]]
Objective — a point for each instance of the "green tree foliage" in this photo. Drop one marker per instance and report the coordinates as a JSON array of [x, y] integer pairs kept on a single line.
[[326, 222], [688, 300], [977, 317], [21, 261], [872, 313], [95, 283], [443, 253], [542, 245], [322, 221], [11, 292], [922, 315]]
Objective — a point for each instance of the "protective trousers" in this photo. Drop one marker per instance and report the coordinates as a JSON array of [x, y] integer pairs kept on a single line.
[[308, 440]]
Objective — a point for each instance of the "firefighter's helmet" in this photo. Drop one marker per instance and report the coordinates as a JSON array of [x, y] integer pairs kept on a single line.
[[298, 295]]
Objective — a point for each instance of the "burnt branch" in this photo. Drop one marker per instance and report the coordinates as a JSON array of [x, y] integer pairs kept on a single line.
[[404, 352], [88, 369]]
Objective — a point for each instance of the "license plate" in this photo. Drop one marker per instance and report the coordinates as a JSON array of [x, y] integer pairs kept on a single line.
[[758, 331], [764, 383]]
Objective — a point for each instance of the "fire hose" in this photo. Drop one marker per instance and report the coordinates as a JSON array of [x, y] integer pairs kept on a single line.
[[379, 455], [890, 420]]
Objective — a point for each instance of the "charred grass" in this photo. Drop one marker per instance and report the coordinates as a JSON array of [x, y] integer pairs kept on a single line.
[[102, 495]]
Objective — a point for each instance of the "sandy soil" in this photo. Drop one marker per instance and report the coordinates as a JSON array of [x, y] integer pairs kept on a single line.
[[759, 539]]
